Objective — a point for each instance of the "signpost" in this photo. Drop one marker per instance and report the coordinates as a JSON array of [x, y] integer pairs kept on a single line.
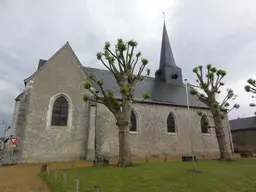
[[13, 140], [13, 145]]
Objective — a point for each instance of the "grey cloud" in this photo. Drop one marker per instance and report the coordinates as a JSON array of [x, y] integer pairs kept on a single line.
[[200, 32], [215, 32]]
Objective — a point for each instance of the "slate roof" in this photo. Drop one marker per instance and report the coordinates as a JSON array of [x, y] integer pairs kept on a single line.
[[161, 93], [243, 123], [166, 57], [41, 63], [19, 96]]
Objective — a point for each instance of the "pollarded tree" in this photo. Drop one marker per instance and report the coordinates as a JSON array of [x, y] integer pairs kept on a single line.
[[210, 84], [122, 63], [251, 87]]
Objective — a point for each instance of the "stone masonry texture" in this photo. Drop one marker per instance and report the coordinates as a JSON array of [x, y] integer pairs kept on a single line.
[[152, 137], [63, 75]]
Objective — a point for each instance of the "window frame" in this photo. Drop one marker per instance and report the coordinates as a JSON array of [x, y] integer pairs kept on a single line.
[[175, 124], [62, 105], [48, 118], [201, 128], [136, 122]]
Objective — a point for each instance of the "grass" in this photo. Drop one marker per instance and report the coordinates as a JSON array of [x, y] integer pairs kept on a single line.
[[236, 176]]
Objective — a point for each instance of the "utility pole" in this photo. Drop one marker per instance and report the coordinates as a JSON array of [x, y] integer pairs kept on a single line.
[[4, 124], [6, 127], [190, 127]]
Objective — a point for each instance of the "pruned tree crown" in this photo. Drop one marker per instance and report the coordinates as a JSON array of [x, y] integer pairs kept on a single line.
[[251, 88], [122, 63], [211, 83]]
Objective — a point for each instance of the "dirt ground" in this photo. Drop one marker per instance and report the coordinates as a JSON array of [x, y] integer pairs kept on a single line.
[[21, 178], [24, 178]]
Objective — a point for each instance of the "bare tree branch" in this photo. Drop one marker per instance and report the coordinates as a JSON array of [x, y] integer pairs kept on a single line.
[[130, 56], [202, 98], [118, 60], [228, 97], [134, 64], [119, 64], [127, 52]]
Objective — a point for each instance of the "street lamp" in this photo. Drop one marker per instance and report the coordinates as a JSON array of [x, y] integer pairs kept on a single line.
[[190, 126]]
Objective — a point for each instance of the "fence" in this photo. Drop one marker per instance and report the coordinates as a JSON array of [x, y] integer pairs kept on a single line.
[[10, 156], [56, 175], [57, 171]]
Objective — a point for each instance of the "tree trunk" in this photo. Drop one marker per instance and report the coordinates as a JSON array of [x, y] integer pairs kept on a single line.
[[124, 128], [220, 134], [124, 147]]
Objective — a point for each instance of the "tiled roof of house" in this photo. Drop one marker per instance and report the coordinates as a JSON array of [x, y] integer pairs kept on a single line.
[[243, 123]]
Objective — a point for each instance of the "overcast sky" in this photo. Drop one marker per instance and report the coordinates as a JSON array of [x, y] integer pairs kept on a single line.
[[221, 32]]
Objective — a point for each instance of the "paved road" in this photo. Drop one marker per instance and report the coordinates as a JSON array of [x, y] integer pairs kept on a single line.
[[21, 178]]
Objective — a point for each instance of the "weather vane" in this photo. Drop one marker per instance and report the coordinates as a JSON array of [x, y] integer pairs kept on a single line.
[[164, 16]]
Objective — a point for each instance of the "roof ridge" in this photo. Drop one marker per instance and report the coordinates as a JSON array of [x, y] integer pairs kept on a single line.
[[243, 118], [110, 72], [47, 61]]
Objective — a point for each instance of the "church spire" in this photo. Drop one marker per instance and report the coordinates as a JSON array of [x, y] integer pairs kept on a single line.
[[168, 71], [166, 57]]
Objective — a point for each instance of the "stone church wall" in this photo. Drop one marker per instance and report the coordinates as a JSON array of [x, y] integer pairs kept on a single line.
[[62, 75], [19, 125], [152, 137], [43, 142]]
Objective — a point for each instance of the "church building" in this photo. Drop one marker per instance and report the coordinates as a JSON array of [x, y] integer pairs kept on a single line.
[[53, 123]]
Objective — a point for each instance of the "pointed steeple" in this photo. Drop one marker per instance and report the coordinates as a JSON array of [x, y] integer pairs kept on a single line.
[[166, 57], [168, 71]]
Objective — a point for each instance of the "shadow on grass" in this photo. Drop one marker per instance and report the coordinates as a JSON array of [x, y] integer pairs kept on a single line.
[[233, 160], [133, 165], [193, 171]]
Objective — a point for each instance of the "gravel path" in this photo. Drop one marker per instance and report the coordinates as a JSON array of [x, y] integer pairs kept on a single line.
[[24, 178], [21, 178]]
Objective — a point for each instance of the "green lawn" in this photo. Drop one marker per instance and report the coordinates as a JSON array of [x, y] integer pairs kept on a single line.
[[238, 175]]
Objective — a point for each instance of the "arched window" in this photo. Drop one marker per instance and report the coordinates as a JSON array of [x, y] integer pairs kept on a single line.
[[204, 124], [60, 112], [133, 127], [171, 127]]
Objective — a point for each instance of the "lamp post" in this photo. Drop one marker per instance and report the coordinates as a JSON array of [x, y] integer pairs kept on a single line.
[[190, 127]]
